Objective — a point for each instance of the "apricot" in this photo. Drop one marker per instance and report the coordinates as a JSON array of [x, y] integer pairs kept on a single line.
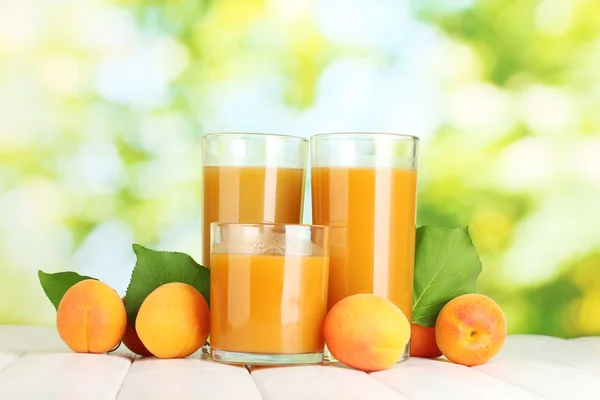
[[91, 317], [173, 321], [132, 341], [470, 329], [366, 332], [422, 342]]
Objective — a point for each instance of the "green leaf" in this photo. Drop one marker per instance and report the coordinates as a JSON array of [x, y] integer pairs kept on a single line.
[[446, 266], [56, 285], [154, 268]]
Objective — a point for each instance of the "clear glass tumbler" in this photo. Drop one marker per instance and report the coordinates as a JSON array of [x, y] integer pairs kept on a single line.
[[268, 293], [364, 188], [252, 178]]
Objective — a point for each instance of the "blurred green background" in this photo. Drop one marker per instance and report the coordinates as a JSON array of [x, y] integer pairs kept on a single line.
[[103, 105]]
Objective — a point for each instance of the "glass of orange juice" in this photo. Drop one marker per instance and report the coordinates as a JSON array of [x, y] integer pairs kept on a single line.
[[268, 293], [364, 188], [252, 178]]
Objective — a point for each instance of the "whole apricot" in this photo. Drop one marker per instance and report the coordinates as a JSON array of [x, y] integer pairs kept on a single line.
[[132, 341], [91, 317], [470, 329], [422, 342], [366, 332], [173, 321]]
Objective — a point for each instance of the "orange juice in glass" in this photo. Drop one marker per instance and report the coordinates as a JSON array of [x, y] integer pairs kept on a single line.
[[268, 288], [364, 189], [252, 178]]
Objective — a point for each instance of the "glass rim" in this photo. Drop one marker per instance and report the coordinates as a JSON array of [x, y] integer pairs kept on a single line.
[[356, 135], [269, 224], [257, 135]]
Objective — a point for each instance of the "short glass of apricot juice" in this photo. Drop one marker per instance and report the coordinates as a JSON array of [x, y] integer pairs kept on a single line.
[[268, 289]]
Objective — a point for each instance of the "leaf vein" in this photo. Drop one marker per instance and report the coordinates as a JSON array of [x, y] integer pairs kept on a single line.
[[437, 272]]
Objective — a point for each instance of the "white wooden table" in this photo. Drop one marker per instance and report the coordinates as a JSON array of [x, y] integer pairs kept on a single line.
[[36, 364]]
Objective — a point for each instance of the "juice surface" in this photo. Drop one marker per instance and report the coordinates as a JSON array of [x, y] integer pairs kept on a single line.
[[250, 195], [371, 214], [268, 304]]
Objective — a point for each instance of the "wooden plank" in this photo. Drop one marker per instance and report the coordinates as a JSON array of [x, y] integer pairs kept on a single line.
[[547, 378], [6, 359], [530, 347], [22, 340], [420, 378], [585, 353], [582, 353], [591, 344], [63, 376], [181, 379], [320, 382], [16, 341]]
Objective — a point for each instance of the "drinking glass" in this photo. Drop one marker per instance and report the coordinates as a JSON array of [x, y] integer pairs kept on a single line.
[[268, 292], [364, 189], [252, 178]]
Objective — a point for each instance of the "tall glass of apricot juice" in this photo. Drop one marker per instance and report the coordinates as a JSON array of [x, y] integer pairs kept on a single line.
[[252, 178], [364, 189], [268, 292]]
